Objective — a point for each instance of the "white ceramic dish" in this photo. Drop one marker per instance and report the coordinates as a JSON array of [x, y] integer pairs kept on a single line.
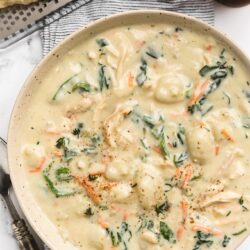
[[39, 221]]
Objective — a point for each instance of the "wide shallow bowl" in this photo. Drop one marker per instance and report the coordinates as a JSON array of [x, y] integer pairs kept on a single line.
[[38, 220]]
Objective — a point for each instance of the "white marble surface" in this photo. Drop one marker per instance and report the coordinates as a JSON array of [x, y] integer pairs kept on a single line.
[[17, 62]]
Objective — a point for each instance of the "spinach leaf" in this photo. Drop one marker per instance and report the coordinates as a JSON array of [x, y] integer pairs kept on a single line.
[[152, 53], [179, 160], [202, 239], [56, 191], [78, 129], [225, 241], [63, 88], [62, 142], [69, 154], [103, 81], [90, 150], [204, 70], [102, 42], [63, 174], [142, 76], [163, 144], [166, 232], [160, 209], [82, 86], [88, 212]]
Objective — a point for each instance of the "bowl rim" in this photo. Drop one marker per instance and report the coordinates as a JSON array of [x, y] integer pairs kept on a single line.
[[203, 25]]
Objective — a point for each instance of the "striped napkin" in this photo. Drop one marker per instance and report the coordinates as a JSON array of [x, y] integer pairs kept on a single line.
[[90, 10]]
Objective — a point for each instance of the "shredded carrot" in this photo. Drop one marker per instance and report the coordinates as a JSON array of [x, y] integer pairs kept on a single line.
[[39, 166], [179, 232], [53, 132], [209, 47], [217, 149], [106, 158], [102, 223], [188, 175], [107, 185], [229, 162], [179, 113], [157, 149], [198, 92], [208, 230], [58, 153], [184, 208], [177, 173], [125, 215], [93, 195], [130, 79], [227, 135]]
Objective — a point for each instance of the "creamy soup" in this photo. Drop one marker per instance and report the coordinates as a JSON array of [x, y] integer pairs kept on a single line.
[[138, 139]]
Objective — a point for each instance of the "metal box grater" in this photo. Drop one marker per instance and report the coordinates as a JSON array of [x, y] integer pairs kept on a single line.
[[18, 21]]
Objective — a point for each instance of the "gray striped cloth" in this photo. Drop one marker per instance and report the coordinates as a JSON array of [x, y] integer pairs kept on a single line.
[[90, 10]]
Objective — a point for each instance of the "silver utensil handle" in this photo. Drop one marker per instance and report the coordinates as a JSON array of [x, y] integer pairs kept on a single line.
[[24, 238]]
